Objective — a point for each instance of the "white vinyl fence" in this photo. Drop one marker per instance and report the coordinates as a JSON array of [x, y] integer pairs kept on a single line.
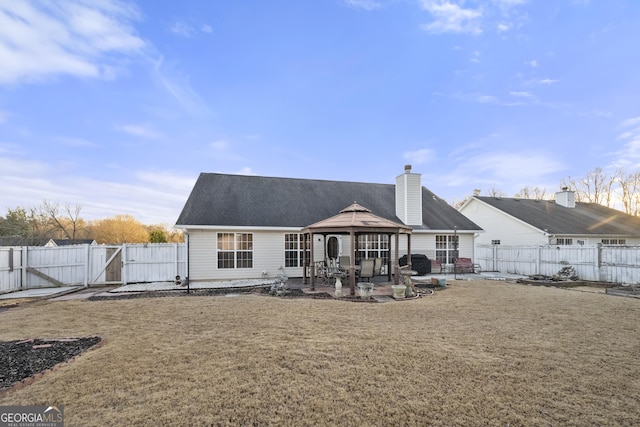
[[28, 267], [612, 264]]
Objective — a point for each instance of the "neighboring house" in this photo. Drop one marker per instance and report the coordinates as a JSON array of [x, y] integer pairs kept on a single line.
[[249, 226], [25, 241], [67, 242], [46, 242], [563, 221]]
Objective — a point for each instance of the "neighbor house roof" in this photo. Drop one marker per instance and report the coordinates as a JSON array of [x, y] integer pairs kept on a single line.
[[68, 242], [23, 241], [584, 219], [257, 201]]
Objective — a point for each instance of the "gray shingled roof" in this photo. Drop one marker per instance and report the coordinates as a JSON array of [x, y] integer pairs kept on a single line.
[[257, 201], [584, 219]]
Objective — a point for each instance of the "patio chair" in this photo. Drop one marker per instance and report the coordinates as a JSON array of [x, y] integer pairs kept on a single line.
[[344, 262], [366, 269], [377, 266]]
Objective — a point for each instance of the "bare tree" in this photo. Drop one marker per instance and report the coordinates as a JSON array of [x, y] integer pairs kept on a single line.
[[535, 193], [495, 192], [62, 222], [630, 188], [595, 187]]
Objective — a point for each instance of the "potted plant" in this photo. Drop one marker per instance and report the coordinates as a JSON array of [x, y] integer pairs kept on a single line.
[[365, 289], [398, 291]]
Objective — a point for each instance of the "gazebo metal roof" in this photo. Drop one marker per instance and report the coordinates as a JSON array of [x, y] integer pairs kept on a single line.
[[359, 219]]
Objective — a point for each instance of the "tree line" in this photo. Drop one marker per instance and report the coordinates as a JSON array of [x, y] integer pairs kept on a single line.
[[618, 189], [50, 220]]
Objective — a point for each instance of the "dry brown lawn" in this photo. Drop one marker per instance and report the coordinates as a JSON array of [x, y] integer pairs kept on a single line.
[[476, 354]]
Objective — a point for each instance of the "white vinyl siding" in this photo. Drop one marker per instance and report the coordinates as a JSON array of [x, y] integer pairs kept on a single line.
[[409, 198], [500, 226], [268, 256]]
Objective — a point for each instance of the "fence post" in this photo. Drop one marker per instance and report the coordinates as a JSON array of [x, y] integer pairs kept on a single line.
[[177, 256], [23, 269], [86, 265], [598, 260], [123, 264], [495, 257]]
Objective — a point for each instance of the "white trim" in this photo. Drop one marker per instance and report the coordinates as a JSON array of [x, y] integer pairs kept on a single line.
[[238, 227]]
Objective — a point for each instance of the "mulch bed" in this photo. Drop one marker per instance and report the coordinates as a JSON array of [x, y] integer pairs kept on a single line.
[[24, 359]]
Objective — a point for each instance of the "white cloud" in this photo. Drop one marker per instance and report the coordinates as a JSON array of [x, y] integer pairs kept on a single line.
[[503, 27], [545, 81], [419, 157], [206, 28], [364, 4], [520, 94], [506, 171], [451, 18], [74, 142], [151, 197], [4, 116], [629, 154], [179, 88], [182, 29], [246, 171], [220, 144], [508, 3], [533, 63], [487, 99], [39, 40], [631, 122], [142, 131]]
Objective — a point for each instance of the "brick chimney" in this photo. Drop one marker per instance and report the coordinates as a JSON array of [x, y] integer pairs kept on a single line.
[[566, 198], [409, 197]]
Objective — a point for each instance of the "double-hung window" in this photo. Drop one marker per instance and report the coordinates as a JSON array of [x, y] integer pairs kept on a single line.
[[614, 241], [294, 253], [235, 250], [373, 246], [446, 248]]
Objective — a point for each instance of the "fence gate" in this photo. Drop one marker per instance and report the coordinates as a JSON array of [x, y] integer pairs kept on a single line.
[[27, 267]]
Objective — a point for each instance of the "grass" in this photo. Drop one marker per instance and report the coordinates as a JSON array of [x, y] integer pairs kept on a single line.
[[478, 353]]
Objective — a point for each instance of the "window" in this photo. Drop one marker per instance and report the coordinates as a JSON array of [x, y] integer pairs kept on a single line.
[[294, 249], [373, 246], [235, 250], [447, 248], [495, 242], [563, 241], [614, 241]]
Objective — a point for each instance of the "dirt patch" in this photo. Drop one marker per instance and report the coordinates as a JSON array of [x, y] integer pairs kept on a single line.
[[12, 302]]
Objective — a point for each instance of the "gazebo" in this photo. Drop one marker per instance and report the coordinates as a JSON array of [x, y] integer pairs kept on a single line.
[[355, 220]]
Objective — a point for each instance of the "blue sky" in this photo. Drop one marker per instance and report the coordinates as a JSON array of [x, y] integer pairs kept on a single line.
[[117, 106]]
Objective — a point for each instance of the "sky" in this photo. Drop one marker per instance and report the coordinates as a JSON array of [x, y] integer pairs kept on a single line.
[[118, 106]]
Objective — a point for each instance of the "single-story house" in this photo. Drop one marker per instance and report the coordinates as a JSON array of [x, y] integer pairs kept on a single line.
[[563, 221], [69, 242], [240, 226]]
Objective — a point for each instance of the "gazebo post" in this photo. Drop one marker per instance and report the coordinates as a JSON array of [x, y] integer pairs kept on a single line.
[[409, 251], [304, 258], [312, 266], [352, 268], [396, 277], [389, 259]]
